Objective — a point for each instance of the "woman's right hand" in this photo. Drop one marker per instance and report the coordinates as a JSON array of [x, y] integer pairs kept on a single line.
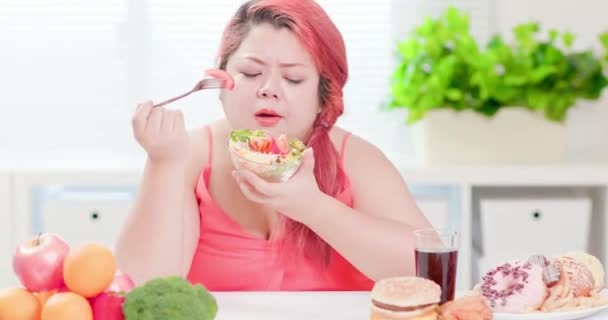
[[161, 132]]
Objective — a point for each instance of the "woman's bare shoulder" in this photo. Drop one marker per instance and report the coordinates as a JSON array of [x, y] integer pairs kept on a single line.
[[374, 177], [355, 146], [198, 147], [359, 154], [337, 135]]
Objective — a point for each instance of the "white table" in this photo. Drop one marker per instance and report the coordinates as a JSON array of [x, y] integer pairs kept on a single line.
[[292, 305], [301, 305]]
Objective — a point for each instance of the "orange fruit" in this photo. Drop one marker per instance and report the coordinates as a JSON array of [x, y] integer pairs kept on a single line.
[[18, 304], [89, 269], [66, 306], [44, 296]]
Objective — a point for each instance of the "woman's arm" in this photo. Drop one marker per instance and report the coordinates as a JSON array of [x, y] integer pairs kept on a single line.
[[151, 242], [376, 235], [161, 232]]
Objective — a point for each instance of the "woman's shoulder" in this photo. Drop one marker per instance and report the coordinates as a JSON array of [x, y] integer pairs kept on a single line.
[[358, 154], [353, 145], [199, 149]]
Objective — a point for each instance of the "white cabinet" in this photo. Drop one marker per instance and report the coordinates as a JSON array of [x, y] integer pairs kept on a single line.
[[525, 226], [516, 228], [81, 207], [83, 214]]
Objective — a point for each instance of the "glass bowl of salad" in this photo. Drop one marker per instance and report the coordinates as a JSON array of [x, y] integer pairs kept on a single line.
[[272, 159]]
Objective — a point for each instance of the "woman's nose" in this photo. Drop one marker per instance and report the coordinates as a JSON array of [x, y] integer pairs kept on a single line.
[[268, 91]]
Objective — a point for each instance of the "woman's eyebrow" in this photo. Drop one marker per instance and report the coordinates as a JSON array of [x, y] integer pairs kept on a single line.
[[282, 65]]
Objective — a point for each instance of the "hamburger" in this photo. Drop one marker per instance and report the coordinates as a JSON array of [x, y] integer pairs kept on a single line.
[[405, 298]]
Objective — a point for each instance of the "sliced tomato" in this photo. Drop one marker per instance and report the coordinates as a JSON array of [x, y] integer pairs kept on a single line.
[[275, 148], [260, 144], [221, 74]]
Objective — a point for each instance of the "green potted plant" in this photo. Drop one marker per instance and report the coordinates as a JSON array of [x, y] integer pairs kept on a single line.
[[502, 103]]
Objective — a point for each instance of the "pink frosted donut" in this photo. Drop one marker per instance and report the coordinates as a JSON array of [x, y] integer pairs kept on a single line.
[[515, 287]]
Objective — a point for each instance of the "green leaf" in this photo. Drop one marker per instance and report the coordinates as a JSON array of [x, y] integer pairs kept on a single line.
[[515, 80], [506, 94], [524, 33], [426, 28], [553, 34], [541, 73], [489, 108], [568, 39], [454, 94], [604, 39], [495, 42], [456, 22]]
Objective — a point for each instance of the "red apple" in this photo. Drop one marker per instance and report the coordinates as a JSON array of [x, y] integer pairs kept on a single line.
[[121, 282], [108, 306], [38, 263]]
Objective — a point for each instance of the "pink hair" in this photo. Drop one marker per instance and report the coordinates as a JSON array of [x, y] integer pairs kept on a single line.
[[313, 27]]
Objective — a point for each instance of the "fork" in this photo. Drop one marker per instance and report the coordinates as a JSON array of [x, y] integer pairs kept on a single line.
[[207, 83]]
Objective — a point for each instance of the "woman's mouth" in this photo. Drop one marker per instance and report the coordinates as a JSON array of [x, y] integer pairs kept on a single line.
[[267, 118]]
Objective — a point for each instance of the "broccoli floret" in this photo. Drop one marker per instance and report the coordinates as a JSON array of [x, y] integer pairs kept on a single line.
[[169, 298]]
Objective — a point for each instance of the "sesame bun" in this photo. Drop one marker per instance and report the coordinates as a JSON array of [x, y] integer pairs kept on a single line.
[[405, 298]]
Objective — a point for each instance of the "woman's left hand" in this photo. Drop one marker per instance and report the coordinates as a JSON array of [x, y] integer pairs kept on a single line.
[[289, 198]]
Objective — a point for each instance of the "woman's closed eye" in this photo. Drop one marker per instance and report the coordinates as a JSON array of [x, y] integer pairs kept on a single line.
[[250, 75], [294, 81]]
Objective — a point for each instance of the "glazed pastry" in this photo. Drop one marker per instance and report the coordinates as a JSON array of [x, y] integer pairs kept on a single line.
[[579, 277], [593, 264]]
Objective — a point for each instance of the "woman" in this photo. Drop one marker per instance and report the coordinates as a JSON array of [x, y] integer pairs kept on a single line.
[[342, 221]]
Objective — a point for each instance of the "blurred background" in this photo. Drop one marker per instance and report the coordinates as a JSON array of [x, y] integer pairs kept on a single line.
[[72, 72]]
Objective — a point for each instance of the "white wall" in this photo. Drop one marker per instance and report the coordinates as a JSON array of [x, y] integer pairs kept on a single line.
[[64, 77], [73, 72], [70, 78]]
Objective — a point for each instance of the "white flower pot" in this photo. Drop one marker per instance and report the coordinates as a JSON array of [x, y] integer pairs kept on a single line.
[[514, 136]]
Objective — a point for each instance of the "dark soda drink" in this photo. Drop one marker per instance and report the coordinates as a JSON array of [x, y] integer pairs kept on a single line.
[[438, 265]]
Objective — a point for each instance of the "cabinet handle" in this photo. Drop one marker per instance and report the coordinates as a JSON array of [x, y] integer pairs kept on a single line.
[[95, 215], [536, 215]]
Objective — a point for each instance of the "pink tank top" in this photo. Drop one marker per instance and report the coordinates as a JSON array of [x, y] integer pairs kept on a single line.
[[228, 258]]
